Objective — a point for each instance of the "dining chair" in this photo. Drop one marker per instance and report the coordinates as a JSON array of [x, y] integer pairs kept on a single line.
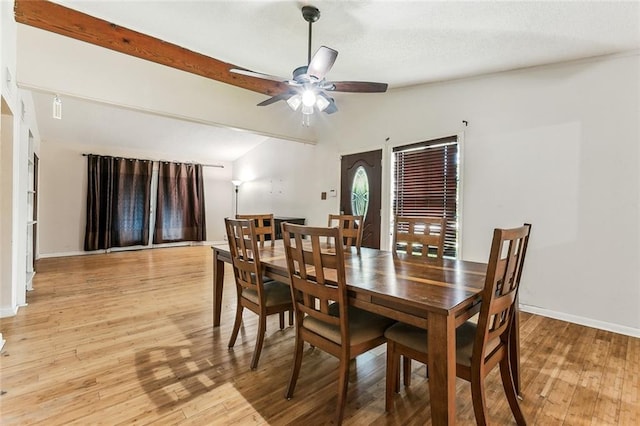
[[351, 227], [264, 226], [426, 234], [324, 317], [253, 293], [479, 347]]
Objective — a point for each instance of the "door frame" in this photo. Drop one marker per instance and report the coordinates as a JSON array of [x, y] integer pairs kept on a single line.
[[385, 218]]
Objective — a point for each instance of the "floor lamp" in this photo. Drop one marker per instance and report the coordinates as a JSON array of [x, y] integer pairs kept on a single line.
[[237, 184]]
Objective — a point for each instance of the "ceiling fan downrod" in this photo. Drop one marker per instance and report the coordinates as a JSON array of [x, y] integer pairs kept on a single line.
[[310, 14]]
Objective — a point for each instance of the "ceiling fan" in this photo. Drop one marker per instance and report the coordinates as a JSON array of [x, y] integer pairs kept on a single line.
[[308, 86]]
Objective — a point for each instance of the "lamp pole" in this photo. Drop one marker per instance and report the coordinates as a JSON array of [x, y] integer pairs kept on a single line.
[[237, 184]]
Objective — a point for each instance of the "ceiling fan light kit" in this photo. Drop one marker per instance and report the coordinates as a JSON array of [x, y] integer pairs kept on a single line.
[[308, 84]]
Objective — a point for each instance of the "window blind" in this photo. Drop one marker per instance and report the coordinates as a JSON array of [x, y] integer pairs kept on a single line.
[[426, 184]]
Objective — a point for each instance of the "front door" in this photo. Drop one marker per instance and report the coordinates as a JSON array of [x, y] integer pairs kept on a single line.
[[361, 192]]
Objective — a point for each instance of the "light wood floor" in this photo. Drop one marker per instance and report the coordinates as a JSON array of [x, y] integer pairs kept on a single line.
[[127, 338]]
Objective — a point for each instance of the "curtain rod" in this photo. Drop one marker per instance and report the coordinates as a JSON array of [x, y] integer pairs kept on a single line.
[[219, 166]]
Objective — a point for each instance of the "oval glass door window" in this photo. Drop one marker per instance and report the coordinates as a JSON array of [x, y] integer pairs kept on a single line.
[[360, 192]]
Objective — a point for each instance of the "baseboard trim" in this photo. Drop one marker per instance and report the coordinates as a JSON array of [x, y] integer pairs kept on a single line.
[[8, 312], [69, 253], [133, 248], [589, 322]]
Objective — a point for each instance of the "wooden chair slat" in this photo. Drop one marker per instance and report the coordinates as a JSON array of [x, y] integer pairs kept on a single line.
[[425, 232], [264, 226], [351, 227]]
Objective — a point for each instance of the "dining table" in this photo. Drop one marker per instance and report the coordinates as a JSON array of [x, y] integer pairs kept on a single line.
[[435, 294]]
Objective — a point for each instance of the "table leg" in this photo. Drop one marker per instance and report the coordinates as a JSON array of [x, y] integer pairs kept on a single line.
[[218, 280], [442, 368]]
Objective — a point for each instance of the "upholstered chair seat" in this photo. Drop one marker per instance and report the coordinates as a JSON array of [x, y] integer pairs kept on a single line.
[[275, 293], [363, 325]]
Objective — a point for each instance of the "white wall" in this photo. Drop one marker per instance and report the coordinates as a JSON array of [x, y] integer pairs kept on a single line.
[[556, 146], [6, 211], [63, 192], [280, 177], [9, 101], [18, 121]]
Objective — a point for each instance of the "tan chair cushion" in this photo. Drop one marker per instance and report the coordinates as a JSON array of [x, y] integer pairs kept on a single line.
[[363, 325], [276, 293], [416, 339]]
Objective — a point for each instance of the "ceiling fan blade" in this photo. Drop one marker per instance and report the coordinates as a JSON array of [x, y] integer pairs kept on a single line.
[[322, 62], [257, 75], [357, 86], [276, 98]]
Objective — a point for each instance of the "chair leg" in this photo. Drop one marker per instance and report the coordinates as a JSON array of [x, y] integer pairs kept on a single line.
[[406, 371], [343, 382], [392, 376], [510, 391], [262, 328], [478, 398], [291, 317], [295, 369], [281, 317], [236, 325]]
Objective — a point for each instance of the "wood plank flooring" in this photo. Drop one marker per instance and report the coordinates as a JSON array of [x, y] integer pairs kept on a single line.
[[127, 338]]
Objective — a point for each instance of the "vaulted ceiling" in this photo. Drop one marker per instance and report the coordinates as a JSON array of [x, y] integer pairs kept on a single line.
[[402, 43]]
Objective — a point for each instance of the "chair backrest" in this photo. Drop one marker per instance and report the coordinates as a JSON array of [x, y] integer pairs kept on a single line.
[[264, 225], [425, 233], [243, 247], [317, 274], [499, 295], [351, 227]]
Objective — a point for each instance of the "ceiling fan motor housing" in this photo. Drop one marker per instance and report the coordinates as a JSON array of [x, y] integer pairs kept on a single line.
[[299, 72]]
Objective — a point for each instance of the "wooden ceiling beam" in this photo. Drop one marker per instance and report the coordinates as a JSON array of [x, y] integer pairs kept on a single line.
[[80, 26]]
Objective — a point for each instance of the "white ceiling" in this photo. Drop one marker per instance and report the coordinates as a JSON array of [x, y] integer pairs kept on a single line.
[[402, 43]]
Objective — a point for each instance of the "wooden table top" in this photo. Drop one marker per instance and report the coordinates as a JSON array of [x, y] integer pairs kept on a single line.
[[443, 286]]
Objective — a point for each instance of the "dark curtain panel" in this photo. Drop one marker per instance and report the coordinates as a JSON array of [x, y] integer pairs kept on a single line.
[[180, 212], [118, 202]]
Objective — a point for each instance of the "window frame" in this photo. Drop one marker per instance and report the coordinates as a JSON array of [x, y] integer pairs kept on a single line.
[[457, 224]]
